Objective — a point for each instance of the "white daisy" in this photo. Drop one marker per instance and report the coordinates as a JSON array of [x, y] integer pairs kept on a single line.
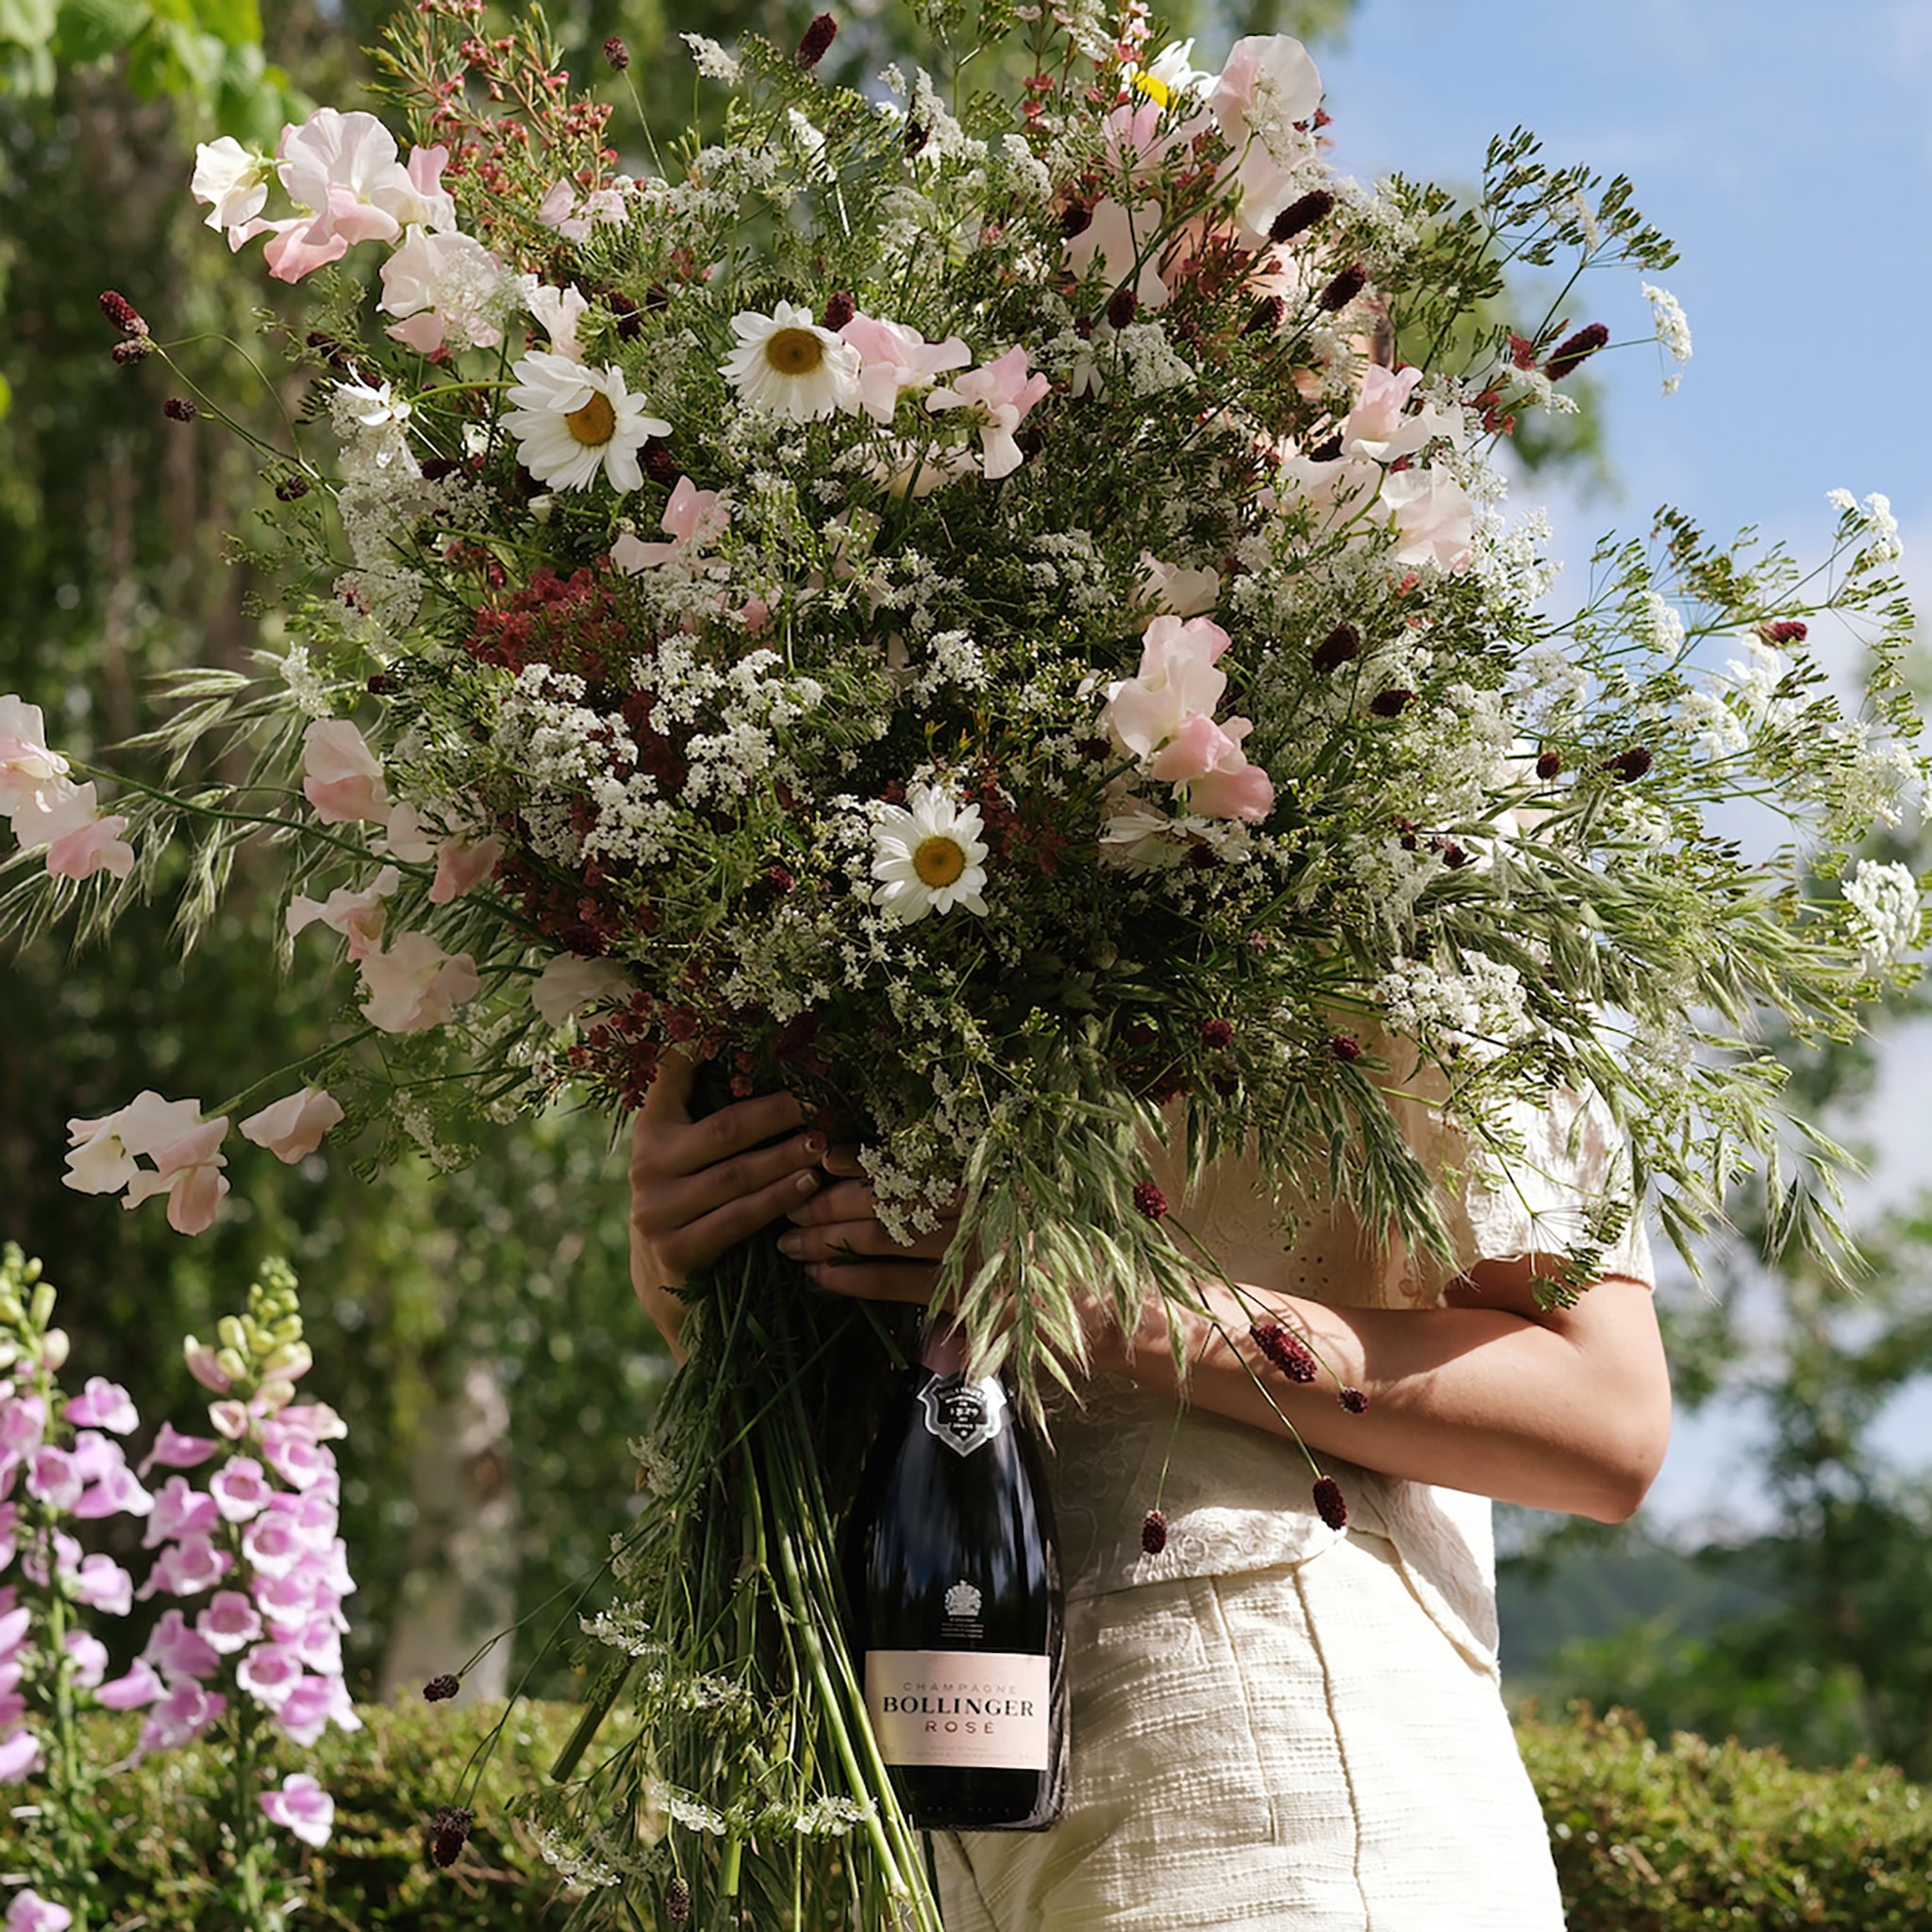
[[789, 365], [928, 855], [572, 420]]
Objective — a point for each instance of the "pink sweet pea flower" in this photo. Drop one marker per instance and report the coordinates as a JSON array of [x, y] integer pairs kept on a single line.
[[292, 1129], [569, 983], [1433, 519], [1266, 93], [692, 520], [449, 290], [413, 985], [1176, 592], [81, 842], [101, 1160], [189, 1173], [140, 1684], [173, 1450], [463, 864], [1178, 680], [302, 1807], [30, 1913], [358, 916], [559, 311], [999, 393], [340, 776], [894, 358], [102, 1585], [29, 772], [1121, 238], [344, 169], [103, 1405], [1233, 789]]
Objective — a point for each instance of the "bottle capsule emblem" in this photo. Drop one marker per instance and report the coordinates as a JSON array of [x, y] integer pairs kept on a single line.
[[964, 1415]]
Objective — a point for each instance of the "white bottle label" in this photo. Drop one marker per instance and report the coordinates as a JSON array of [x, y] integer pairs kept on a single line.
[[977, 1710], [964, 1415]]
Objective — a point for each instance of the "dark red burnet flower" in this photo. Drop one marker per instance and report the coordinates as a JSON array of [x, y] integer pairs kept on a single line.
[[123, 313], [617, 53], [1391, 703], [840, 309], [1217, 1033], [817, 40], [1785, 630], [1342, 644], [449, 1832], [1573, 352], [677, 1902], [1344, 1047], [1122, 305], [1630, 765], [1301, 215], [1329, 1504], [1344, 289], [439, 1689], [1150, 1200], [180, 409], [1153, 1532], [1548, 764], [1354, 1400], [1288, 1353]]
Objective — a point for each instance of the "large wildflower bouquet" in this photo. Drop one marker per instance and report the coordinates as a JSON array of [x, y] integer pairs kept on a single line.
[[998, 615]]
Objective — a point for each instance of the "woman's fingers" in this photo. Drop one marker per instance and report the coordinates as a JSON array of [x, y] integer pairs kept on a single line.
[[877, 1281], [863, 1237], [689, 1246], [775, 1179]]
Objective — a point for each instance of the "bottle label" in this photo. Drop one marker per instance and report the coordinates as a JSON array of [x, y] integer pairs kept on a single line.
[[974, 1710], [964, 1415]]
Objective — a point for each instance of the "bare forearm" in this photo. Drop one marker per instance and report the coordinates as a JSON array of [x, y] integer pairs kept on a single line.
[[1567, 1411]]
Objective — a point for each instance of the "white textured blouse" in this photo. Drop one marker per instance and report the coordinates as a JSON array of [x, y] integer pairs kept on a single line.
[[1238, 1498]]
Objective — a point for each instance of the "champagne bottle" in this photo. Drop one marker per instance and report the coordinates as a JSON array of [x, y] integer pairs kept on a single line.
[[955, 1590]]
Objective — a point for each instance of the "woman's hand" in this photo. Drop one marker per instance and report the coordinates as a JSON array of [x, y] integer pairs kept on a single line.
[[699, 1187], [839, 1238]]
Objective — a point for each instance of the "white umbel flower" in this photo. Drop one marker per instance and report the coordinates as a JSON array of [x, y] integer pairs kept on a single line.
[[928, 855], [789, 365], [571, 420]]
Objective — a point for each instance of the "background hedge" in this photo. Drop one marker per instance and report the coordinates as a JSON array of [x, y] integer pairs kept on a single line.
[[1649, 1837]]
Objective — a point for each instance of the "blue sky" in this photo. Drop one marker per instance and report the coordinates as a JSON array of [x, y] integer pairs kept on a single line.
[[1787, 150]]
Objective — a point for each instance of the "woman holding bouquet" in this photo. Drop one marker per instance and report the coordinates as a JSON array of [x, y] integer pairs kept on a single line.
[[1277, 1722]]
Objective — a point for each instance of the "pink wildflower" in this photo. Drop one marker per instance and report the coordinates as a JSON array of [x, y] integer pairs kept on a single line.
[[188, 1172], [292, 1128], [103, 1405], [302, 1807]]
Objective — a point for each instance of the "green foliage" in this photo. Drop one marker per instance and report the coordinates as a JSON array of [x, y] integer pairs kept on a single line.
[[1649, 1837], [160, 1859], [1652, 1838]]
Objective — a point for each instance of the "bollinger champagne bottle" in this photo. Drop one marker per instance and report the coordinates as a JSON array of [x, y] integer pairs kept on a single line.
[[955, 1591]]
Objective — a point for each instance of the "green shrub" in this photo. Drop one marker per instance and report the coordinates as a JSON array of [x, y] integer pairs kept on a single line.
[[159, 1858], [1648, 1837], [1656, 1837]]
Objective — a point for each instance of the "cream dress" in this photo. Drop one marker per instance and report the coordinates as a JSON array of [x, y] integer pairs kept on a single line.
[[1273, 1724]]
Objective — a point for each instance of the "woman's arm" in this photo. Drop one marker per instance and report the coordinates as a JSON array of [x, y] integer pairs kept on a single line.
[[1564, 1410]]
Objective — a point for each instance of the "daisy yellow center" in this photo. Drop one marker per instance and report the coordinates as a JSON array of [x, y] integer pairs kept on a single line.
[[596, 423], [794, 351], [937, 860]]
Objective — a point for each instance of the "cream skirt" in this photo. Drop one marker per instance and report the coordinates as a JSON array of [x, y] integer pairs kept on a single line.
[[1293, 1750]]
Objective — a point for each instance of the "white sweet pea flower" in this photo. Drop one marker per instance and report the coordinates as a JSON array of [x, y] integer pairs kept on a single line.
[[449, 290], [571, 983], [413, 985], [292, 1128], [234, 181]]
